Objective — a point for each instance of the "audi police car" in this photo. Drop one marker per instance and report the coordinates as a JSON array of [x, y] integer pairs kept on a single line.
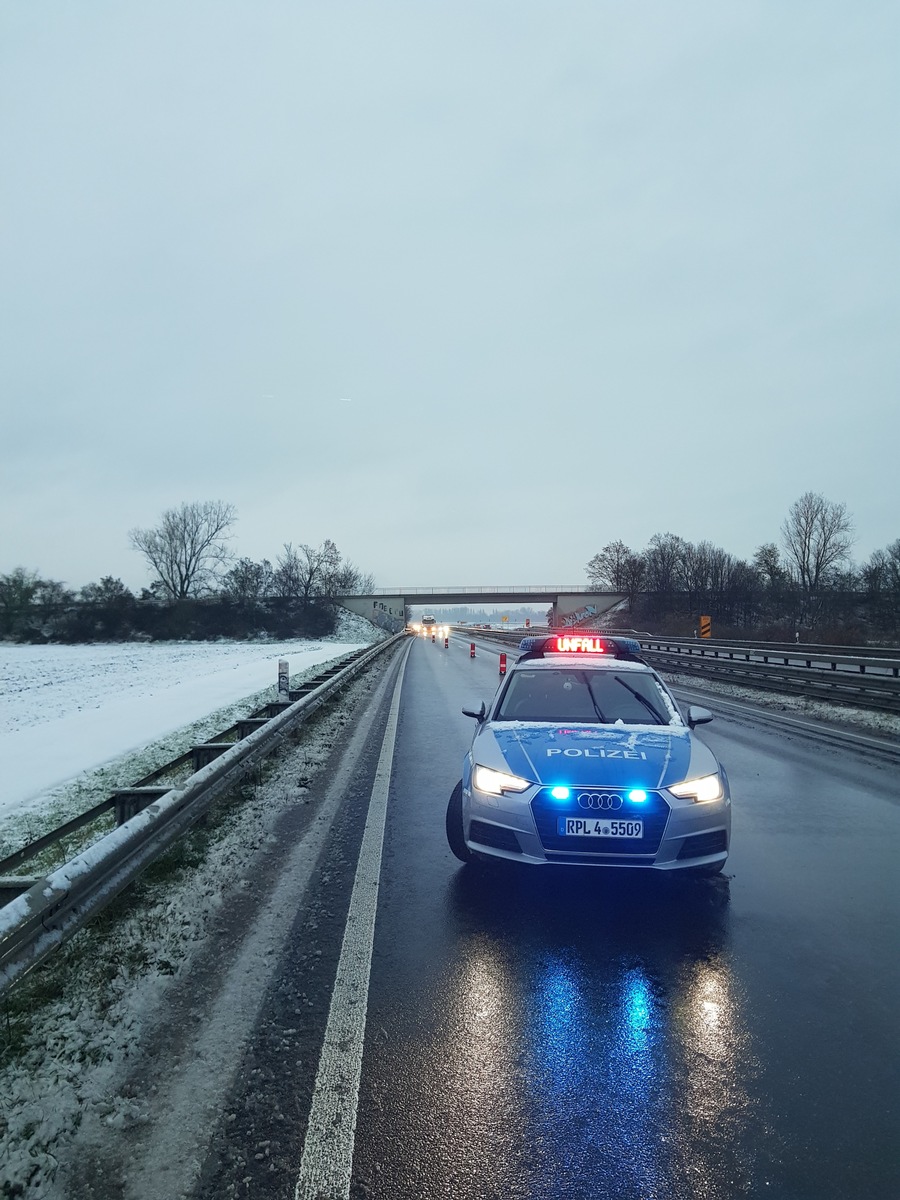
[[584, 758]]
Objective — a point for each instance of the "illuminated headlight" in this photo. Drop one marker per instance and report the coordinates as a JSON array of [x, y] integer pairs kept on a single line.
[[701, 791], [497, 782]]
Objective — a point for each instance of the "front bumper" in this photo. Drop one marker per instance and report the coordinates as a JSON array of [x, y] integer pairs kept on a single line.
[[677, 833]]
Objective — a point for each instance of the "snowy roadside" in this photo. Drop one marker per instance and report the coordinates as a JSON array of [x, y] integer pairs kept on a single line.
[[74, 1027], [77, 722], [863, 719]]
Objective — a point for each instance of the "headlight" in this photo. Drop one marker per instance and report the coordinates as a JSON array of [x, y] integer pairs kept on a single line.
[[497, 782], [701, 791]]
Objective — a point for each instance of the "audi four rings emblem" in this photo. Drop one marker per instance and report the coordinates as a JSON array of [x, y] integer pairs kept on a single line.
[[606, 801]]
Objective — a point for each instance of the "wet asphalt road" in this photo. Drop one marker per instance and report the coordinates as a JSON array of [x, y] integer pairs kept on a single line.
[[559, 1033]]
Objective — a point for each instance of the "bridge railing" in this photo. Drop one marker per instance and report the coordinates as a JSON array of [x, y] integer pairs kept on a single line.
[[577, 589]]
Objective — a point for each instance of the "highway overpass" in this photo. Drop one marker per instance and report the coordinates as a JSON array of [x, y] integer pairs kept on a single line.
[[570, 604]]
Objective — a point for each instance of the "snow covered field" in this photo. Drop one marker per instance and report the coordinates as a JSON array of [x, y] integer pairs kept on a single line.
[[66, 711]]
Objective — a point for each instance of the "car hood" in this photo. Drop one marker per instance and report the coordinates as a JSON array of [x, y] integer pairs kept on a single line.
[[647, 756]]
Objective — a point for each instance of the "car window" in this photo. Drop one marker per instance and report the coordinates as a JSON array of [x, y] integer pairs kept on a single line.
[[585, 697]]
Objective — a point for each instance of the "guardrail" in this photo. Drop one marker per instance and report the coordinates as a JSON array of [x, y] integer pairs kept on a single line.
[[867, 677], [865, 680], [128, 801], [54, 908]]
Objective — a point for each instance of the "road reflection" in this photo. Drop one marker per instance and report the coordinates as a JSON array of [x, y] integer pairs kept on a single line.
[[446, 1084], [630, 1076]]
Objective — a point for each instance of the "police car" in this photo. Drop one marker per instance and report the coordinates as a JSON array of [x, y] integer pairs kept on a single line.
[[584, 758]]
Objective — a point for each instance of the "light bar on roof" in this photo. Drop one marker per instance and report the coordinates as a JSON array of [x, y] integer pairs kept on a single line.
[[581, 643], [577, 644]]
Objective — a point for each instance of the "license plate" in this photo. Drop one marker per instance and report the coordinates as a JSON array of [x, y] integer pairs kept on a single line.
[[608, 827]]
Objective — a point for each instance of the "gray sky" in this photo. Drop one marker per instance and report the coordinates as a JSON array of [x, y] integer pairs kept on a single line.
[[470, 288]]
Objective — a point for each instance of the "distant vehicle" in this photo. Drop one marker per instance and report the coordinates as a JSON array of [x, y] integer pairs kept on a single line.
[[583, 757], [428, 619]]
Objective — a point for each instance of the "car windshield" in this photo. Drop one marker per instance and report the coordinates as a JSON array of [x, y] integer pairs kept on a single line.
[[585, 697]]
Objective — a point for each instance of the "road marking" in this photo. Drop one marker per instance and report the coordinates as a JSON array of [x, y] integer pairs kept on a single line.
[[327, 1160]]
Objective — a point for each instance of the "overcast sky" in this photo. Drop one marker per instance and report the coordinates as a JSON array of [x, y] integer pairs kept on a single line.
[[471, 288]]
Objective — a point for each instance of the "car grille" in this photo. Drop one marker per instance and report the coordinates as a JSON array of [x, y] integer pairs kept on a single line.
[[654, 812], [699, 844], [494, 835]]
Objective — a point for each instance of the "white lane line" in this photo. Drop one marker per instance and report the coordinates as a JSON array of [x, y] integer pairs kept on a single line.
[[328, 1150]]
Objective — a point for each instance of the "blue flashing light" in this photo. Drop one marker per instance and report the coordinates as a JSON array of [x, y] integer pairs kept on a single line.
[[560, 793], [637, 795]]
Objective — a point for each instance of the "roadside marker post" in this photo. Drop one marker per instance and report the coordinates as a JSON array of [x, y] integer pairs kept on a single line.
[[446, 643], [471, 649], [502, 664]]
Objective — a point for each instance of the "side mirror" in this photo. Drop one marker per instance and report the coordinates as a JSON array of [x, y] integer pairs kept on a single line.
[[479, 716], [698, 715]]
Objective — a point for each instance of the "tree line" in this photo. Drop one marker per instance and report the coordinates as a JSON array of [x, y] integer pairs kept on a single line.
[[807, 584], [198, 589]]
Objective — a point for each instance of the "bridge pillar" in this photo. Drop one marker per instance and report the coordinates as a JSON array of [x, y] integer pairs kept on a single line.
[[387, 612], [584, 610]]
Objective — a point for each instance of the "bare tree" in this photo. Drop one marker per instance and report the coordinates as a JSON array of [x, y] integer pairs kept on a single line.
[[308, 573], [696, 572], [248, 582], [364, 583], [817, 536], [767, 562], [881, 583], [332, 577], [303, 573], [634, 575], [664, 561], [188, 549], [18, 590], [52, 596], [109, 592], [608, 569]]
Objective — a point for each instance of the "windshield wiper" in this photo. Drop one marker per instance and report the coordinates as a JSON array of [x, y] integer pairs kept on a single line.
[[643, 700], [600, 716]]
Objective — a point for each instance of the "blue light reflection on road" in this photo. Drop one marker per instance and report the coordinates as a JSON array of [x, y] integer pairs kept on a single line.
[[598, 1080]]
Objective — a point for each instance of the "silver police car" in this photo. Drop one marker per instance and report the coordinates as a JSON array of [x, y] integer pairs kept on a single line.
[[584, 758]]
